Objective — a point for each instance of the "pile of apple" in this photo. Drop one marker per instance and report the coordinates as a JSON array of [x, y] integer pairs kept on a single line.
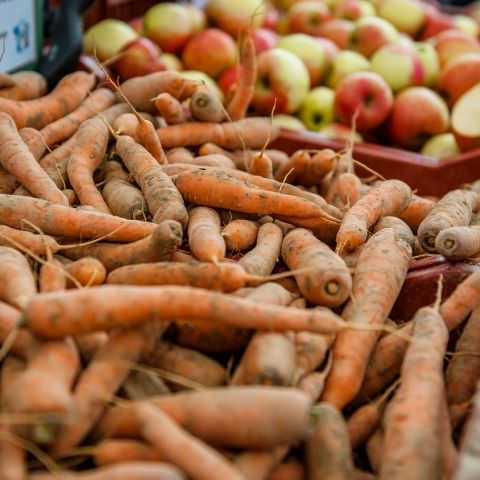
[[401, 71]]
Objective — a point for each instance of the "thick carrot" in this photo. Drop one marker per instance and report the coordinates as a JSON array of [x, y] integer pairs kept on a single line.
[[55, 315], [63, 221], [123, 199], [245, 87], [202, 461], [63, 99], [52, 277], [453, 210], [261, 165], [390, 197], [344, 191], [163, 199], [86, 271], [276, 416], [126, 124], [87, 154], [417, 211], [402, 230], [329, 282], [458, 243], [180, 155], [25, 85], [24, 342], [35, 243], [310, 351], [289, 470], [413, 418], [170, 109], [387, 357], [204, 235], [19, 162], [328, 451], [206, 106], [141, 384], [378, 279], [158, 246], [262, 258], [258, 464], [240, 234], [250, 132], [113, 451]]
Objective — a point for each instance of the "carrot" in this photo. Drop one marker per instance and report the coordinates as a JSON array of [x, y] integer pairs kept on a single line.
[[158, 246], [96, 385], [387, 357], [147, 137], [123, 199], [114, 451], [378, 279], [52, 277], [328, 451], [412, 436], [202, 461], [276, 416], [24, 342], [141, 90], [170, 109], [63, 99], [449, 453], [390, 197], [313, 383], [187, 363], [239, 103], [452, 210], [163, 199], [250, 132], [310, 351], [87, 154], [374, 449], [458, 243], [458, 412], [7, 182], [362, 475], [417, 211], [240, 234], [204, 235], [258, 464], [141, 384], [261, 165], [87, 271], [89, 344], [262, 258], [290, 470], [25, 85], [69, 222], [344, 191], [19, 162], [205, 106], [37, 244], [55, 315], [180, 155], [402, 230], [329, 283], [126, 124]]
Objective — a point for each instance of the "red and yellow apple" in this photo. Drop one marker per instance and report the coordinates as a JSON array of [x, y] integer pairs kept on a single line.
[[466, 119], [435, 22], [338, 31], [371, 33], [466, 24], [264, 39], [345, 63], [441, 146], [307, 17], [353, 9], [452, 43], [406, 15], [227, 82], [429, 58]]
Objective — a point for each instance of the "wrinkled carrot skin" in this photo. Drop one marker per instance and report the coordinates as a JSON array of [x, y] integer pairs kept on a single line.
[[379, 276], [69, 222], [417, 211], [147, 137], [113, 451], [412, 442], [344, 191], [204, 235], [281, 416], [63, 99], [52, 277], [26, 85], [87, 271], [170, 109], [24, 342], [19, 162]]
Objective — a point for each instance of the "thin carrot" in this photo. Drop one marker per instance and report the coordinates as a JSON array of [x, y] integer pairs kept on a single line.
[[37, 244], [206, 106], [147, 137], [417, 211], [170, 109], [204, 235], [310, 352], [344, 191], [25, 85], [52, 277], [114, 451], [258, 464]]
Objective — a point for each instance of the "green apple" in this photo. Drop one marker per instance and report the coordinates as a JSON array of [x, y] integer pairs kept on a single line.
[[311, 51], [406, 15], [202, 77], [344, 63], [318, 109], [466, 24], [172, 62], [429, 58], [283, 120], [441, 146]]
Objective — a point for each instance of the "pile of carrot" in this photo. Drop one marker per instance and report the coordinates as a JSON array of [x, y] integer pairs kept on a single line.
[[179, 300]]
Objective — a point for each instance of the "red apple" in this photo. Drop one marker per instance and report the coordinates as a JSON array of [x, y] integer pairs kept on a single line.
[[328, 46], [211, 51], [137, 24], [264, 39], [435, 22], [465, 119], [139, 57], [338, 31], [337, 131], [271, 19], [452, 43], [418, 114], [459, 75], [353, 9], [371, 33], [307, 17], [282, 81], [367, 93], [227, 81]]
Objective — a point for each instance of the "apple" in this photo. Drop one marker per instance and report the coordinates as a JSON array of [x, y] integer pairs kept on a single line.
[[466, 24], [435, 22], [171, 61], [465, 119], [197, 17], [371, 33], [473, 11], [328, 46], [458, 76], [139, 57], [264, 39], [310, 51], [441, 146], [365, 94], [137, 24], [307, 17], [429, 58], [283, 120], [283, 4], [353, 9], [345, 63], [202, 77], [211, 51], [317, 110], [452, 43], [399, 65], [107, 37], [282, 81], [338, 31], [169, 25], [418, 113], [227, 82], [406, 15], [270, 22], [337, 131], [234, 16]]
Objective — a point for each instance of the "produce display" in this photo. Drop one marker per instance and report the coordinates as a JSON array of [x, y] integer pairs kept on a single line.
[[401, 69]]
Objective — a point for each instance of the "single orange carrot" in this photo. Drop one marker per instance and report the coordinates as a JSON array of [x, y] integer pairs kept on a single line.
[[402, 230], [258, 464], [417, 211], [240, 234], [52, 276], [33, 242], [458, 243], [204, 235], [310, 352], [261, 165], [24, 343], [113, 451], [147, 137], [86, 271], [344, 191], [206, 106], [24, 85], [289, 470], [170, 109]]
